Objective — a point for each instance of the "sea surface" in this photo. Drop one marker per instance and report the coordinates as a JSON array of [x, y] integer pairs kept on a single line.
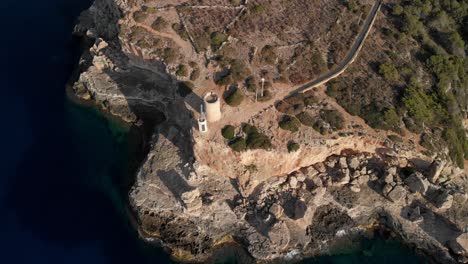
[[65, 167]]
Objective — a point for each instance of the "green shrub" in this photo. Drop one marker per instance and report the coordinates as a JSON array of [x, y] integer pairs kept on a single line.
[[256, 140], [235, 98], [140, 16], [389, 71], [238, 144], [250, 84], [159, 24], [319, 126], [293, 147], [289, 123], [266, 96], [268, 55], [182, 71], [256, 9], [184, 88], [248, 128], [333, 117], [310, 100], [228, 132], [180, 30], [169, 55], [217, 39], [306, 119], [420, 106]]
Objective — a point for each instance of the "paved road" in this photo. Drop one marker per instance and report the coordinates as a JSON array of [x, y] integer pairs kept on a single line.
[[350, 57]]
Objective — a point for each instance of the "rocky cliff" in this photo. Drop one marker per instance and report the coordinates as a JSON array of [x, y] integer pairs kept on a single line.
[[194, 194]]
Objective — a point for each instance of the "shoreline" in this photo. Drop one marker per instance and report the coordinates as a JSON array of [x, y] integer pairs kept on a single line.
[[229, 245]]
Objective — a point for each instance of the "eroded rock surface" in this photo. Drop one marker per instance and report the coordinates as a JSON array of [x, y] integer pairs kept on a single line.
[[193, 193]]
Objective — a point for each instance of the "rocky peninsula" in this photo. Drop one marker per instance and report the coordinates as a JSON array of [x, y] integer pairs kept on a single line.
[[286, 173]]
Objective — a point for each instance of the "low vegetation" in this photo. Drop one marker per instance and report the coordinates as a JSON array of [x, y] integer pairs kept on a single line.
[[289, 123], [159, 24], [425, 72], [228, 132], [234, 97], [293, 147]]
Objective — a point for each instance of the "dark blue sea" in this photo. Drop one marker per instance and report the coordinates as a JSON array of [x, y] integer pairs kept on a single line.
[[65, 167]]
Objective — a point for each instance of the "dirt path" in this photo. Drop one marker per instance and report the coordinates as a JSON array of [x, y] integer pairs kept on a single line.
[[185, 46]]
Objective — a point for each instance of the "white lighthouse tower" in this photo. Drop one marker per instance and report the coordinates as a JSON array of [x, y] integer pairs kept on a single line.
[[202, 122], [213, 107]]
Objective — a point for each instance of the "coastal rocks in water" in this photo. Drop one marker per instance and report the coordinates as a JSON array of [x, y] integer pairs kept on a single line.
[[435, 170], [416, 183]]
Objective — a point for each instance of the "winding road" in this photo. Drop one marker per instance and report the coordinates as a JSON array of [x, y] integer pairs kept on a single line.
[[350, 57]]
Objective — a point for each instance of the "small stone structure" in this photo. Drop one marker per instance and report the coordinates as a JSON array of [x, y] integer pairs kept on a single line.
[[213, 107]]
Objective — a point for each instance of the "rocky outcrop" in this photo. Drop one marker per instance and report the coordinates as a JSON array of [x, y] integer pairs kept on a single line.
[[193, 193], [417, 183]]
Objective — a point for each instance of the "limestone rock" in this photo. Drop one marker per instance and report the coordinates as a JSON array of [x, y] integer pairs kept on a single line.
[[353, 163], [460, 245], [320, 167], [276, 210], [435, 169], [387, 189], [363, 179], [355, 188], [300, 177], [311, 172], [293, 182], [398, 193], [343, 163], [388, 178], [331, 162], [417, 183], [443, 200], [415, 215]]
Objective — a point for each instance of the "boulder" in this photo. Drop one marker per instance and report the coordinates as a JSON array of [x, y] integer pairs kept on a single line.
[[331, 162], [345, 179], [342, 162], [415, 215], [320, 167], [363, 171], [417, 183], [459, 245], [388, 177], [311, 172], [293, 182], [276, 210], [300, 177], [392, 170], [353, 163], [386, 189], [443, 200], [355, 188], [317, 181], [363, 179], [356, 174], [435, 169], [397, 194]]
